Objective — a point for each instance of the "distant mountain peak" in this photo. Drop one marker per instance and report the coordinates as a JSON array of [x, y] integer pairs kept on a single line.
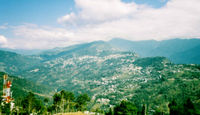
[[172, 48]]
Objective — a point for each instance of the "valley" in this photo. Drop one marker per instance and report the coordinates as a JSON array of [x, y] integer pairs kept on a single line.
[[108, 74]]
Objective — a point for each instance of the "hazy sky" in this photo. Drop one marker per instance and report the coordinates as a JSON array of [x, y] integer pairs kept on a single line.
[[44, 24]]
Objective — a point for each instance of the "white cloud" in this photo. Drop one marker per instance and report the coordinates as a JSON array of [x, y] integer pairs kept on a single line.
[[103, 19], [31, 36], [4, 26], [106, 19], [99, 11], [3, 41]]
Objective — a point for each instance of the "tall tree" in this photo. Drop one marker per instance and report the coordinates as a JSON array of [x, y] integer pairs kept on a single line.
[[63, 100], [28, 102], [57, 101], [69, 96], [125, 107], [143, 109], [189, 108], [174, 109], [18, 105], [82, 102], [46, 100], [6, 108]]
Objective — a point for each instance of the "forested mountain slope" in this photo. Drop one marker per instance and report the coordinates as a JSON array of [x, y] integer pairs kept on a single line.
[[182, 51], [20, 87], [110, 75]]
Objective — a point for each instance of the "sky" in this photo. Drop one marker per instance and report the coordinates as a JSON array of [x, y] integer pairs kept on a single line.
[[46, 24]]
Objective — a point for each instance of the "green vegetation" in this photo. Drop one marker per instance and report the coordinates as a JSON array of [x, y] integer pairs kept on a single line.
[[63, 102], [167, 95], [181, 51], [128, 108], [13, 63], [21, 87], [108, 76], [66, 102], [184, 108], [125, 107]]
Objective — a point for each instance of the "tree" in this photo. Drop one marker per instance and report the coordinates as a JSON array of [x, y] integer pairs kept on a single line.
[[110, 112], [143, 109], [46, 100], [189, 108], [6, 108], [69, 97], [18, 105], [125, 108], [31, 104], [82, 102], [51, 108], [28, 102], [57, 101], [45, 109], [174, 108], [63, 99], [63, 93], [31, 99]]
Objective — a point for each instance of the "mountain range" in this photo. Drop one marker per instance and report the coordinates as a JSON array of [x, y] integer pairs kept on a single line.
[[181, 51], [109, 72]]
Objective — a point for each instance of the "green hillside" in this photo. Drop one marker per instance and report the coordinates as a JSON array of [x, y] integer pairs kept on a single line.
[[181, 51], [109, 75], [20, 87], [13, 63]]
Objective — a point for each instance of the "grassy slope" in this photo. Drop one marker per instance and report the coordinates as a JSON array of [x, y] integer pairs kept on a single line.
[[21, 87]]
